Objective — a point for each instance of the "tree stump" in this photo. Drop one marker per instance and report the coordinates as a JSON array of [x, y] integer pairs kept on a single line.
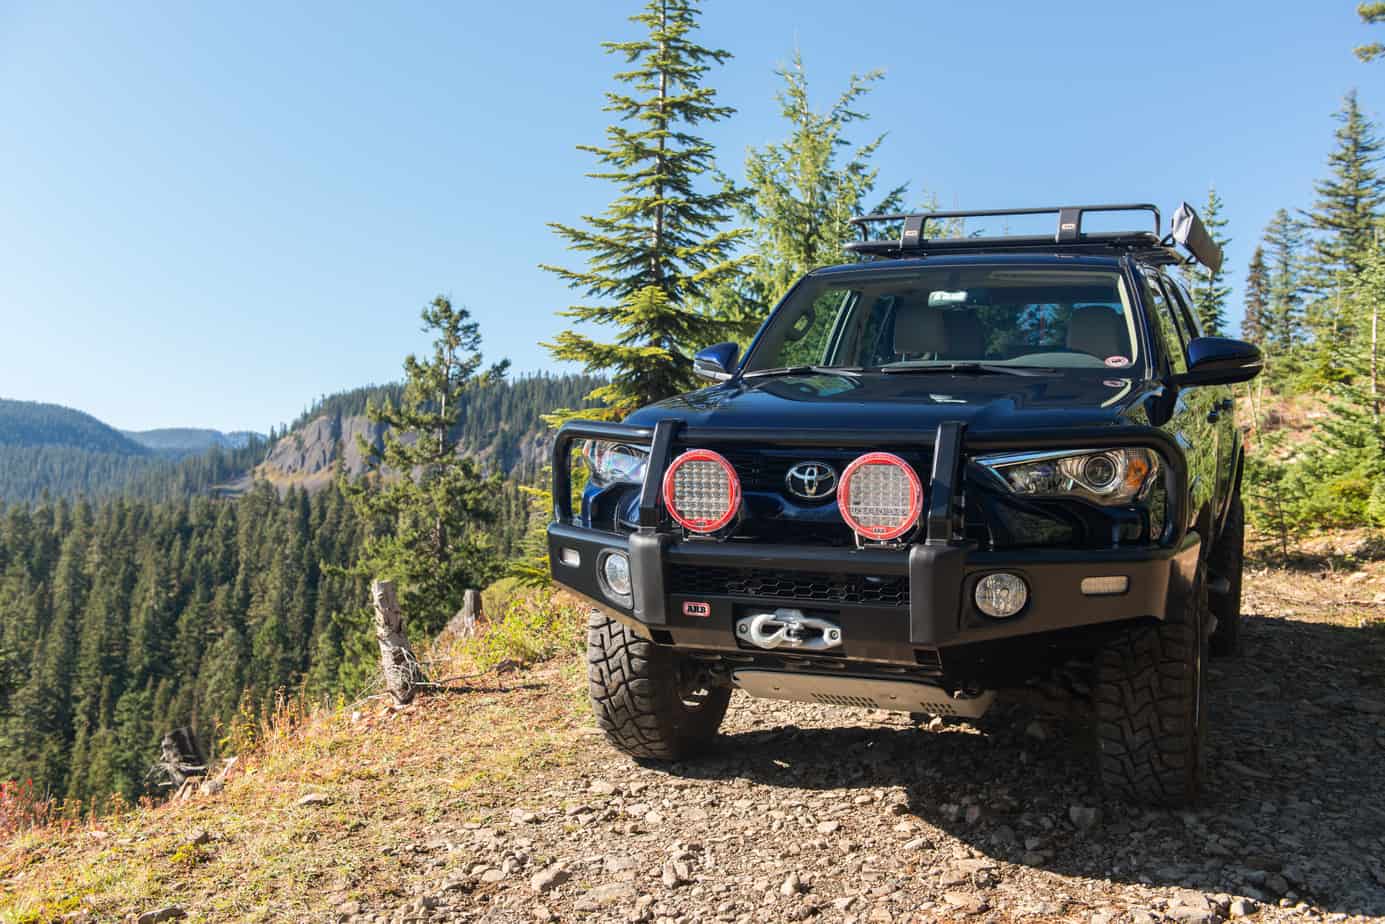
[[178, 760], [396, 657], [467, 623]]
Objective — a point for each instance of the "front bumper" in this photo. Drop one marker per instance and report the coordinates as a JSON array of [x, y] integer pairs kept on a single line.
[[934, 611], [895, 606]]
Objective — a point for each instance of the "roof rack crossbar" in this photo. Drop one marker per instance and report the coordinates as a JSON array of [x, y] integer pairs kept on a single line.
[[1069, 216], [1187, 231]]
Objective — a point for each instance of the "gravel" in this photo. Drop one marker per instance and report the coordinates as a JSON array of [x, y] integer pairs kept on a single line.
[[845, 815]]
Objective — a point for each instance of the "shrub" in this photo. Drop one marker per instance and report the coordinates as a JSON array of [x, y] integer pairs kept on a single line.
[[21, 808], [532, 626]]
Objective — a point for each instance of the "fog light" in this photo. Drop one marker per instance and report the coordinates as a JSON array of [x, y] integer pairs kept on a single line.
[[615, 571], [1002, 595], [1103, 586]]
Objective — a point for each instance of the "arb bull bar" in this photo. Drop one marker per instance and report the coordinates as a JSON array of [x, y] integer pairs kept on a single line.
[[940, 568]]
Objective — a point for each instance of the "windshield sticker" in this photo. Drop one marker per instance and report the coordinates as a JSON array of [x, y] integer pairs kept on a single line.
[[1117, 362]]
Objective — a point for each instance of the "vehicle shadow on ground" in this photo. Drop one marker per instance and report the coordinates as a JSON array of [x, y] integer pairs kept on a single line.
[[1294, 798]]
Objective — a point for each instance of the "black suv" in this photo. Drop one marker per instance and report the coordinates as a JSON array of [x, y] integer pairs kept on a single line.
[[967, 464]]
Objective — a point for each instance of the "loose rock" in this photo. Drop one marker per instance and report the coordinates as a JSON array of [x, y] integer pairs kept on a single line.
[[549, 879]]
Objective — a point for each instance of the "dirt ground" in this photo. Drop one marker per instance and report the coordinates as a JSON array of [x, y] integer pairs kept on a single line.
[[851, 815], [504, 804]]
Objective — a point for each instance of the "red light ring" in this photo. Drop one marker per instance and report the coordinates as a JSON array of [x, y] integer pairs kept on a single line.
[[883, 533], [734, 483]]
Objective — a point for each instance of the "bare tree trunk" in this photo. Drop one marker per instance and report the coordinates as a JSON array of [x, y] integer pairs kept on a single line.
[[1375, 327], [467, 622], [396, 657]]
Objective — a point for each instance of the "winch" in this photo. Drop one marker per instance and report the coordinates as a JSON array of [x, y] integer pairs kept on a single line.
[[788, 628]]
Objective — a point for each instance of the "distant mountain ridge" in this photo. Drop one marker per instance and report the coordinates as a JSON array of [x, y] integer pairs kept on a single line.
[[34, 423], [190, 439], [47, 450], [52, 451]]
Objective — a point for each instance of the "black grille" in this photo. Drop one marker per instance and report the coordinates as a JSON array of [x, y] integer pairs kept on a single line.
[[806, 586], [767, 469]]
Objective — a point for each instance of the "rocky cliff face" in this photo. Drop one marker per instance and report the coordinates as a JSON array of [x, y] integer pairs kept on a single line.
[[307, 457]]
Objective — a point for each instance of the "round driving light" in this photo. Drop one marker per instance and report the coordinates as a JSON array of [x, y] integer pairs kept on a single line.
[[701, 491], [1001, 595], [880, 496], [615, 571]]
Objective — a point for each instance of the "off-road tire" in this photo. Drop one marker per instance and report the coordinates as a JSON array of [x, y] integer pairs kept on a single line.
[[1150, 704], [1226, 562], [637, 693]]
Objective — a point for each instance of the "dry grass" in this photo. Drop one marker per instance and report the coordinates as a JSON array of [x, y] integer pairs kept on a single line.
[[387, 773], [391, 776]]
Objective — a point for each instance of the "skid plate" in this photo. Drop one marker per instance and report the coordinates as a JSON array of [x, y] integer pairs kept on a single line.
[[865, 692]]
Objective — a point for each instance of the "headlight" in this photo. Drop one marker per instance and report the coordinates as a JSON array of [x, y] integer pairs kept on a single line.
[[614, 463], [1111, 476]]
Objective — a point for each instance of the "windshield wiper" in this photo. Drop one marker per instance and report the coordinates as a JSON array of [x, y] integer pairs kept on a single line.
[[800, 370], [966, 368]]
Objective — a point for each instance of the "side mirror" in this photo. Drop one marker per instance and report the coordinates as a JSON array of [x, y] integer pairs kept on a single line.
[[717, 363], [1220, 361]]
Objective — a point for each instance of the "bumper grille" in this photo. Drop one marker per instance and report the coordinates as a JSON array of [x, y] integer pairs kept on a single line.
[[808, 587], [767, 469]]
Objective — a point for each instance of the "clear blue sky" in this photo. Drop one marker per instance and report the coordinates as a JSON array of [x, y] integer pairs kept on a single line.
[[212, 213]]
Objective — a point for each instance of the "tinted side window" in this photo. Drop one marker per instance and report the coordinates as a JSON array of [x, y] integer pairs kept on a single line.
[[1188, 320], [1165, 325]]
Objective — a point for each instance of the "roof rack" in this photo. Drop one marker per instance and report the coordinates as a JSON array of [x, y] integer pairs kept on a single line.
[[1186, 230]]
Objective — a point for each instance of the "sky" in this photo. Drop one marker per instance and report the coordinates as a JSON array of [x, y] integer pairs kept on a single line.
[[212, 214]]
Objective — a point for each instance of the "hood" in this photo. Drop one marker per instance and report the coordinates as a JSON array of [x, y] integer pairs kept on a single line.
[[824, 401]]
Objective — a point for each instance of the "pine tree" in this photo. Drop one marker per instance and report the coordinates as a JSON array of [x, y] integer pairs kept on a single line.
[[1256, 319], [659, 248], [530, 567], [802, 193], [1349, 201], [429, 506], [1283, 243], [1367, 292], [1209, 289], [1371, 12]]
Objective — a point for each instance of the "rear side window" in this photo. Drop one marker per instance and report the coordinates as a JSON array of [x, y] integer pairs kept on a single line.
[[1165, 326]]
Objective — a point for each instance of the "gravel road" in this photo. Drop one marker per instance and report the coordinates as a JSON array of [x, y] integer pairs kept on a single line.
[[832, 815]]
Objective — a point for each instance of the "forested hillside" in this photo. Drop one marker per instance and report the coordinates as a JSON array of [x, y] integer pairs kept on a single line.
[[50, 451], [31, 423], [128, 618], [172, 606]]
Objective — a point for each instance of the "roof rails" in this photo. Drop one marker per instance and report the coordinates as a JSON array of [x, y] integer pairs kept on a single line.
[[1187, 231]]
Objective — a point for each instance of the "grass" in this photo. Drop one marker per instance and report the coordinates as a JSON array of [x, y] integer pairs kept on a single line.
[[522, 627], [388, 774]]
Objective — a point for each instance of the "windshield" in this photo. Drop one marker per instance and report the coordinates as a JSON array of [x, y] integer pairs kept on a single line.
[[1016, 316]]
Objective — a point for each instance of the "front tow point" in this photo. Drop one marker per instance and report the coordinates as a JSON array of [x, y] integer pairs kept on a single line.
[[788, 628]]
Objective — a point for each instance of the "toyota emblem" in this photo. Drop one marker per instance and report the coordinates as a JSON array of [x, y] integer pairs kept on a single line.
[[811, 480]]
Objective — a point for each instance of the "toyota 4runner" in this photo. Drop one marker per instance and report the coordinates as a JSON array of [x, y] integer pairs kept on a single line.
[[968, 464]]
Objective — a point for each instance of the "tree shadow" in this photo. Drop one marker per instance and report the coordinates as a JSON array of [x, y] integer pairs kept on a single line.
[[1294, 793], [1328, 553]]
